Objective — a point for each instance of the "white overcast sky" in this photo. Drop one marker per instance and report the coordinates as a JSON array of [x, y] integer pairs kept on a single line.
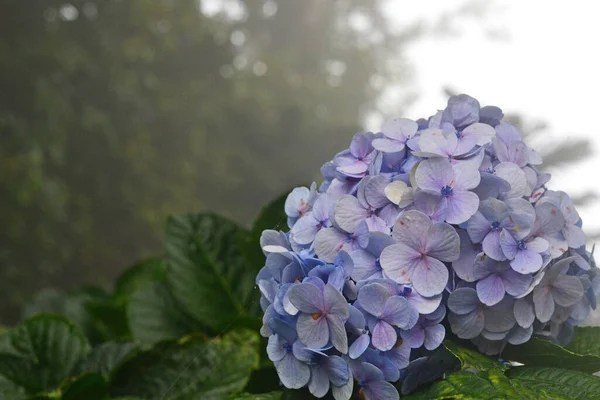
[[547, 67]]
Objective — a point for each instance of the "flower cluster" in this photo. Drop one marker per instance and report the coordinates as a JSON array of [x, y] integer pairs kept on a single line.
[[444, 219]]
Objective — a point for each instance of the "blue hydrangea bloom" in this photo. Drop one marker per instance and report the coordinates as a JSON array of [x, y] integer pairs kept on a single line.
[[429, 225]]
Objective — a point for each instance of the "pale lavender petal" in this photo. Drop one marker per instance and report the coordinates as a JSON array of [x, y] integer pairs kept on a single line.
[[500, 317], [490, 290], [384, 336], [424, 305], [481, 133], [515, 177], [389, 214], [372, 298], [376, 224], [399, 261], [307, 298], [337, 333], [466, 176], [380, 390], [524, 314], [361, 145], [329, 242], [468, 251], [484, 266], [359, 346], [297, 202], [493, 210], [508, 244], [462, 205], [399, 355], [518, 153], [538, 245], [430, 204], [304, 231], [515, 283], [275, 349], [467, 326], [318, 385], [313, 332], [492, 247], [567, 290], [360, 238], [375, 191], [544, 304], [335, 303], [548, 220], [365, 266], [337, 370], [412, 229], [399, 128], [397, 312], [508, 133], [414, 337], [526, 262], [429, 276], [478, 227], [443, 242], [574, 235], [388, 145], [519, 335], [349, 213], [463, 301], [292, 373], [434, 335], [351, 166], [434, 174]]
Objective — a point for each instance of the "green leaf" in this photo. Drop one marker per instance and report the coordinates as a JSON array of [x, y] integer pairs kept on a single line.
[[191, 368], [88, 386], [10, 391], [542, 353], [105, 357], [207, 275], [137, 276], [556, 383], [586, 341], [154, 315], [471, 358], [264, 396], [44, 351]]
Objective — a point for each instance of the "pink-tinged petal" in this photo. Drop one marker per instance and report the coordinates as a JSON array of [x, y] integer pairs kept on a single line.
[[388, 145], [548, 219], [399, 128], [467, 326], [372, 298], [430, 277], [538, 245], [314, 333], [297, 202], [574, 235], [399, 261], [461, 206], [515, 283], [414, 337], [293, 373], [478, 227], [304, 231], [518, 152], [307, 298], [434, 335], [350, 166], [490, 290], [443, 243], [466, 176], [384, 336], [329, 242], [515, 177], [434, 174], [349, 213], [524, 314], [491, 246], [337, 333], [526, 262], [544, 303], [412, 228]]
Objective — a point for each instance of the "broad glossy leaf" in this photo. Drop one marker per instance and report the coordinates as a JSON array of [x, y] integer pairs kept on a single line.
[[137, 276], [88, 386], [10, 390], [556, 383], [542, 353], [106, 357], [471, 358], [154, 315], [207, 274], [586, 340], [191, 368], [44, 351]]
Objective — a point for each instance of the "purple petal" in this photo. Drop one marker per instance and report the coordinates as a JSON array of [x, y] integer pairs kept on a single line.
[[492, 247], [429, 277], [350, 166], [518, 153], [430, 204], [388, 145], [544, 304], [463, 301], [475, 134], [466, 176], [361, 145], [397, 312], [297, 202], [377, 242], [399, 128], [399, 355], [574, 235], [443, 242], [548, 219], [466, 326], [462, 110], [490, 290], [304, 231], [399, 261], [423, 305], [515, 177], [524, 314], [384, 336], [508, 244], [329, 242], [375, 191], [380, 390], [412, 229], [434, 335], [567, 290], [376, 224], [507, 133], [478, 226], [359, 346], [318, 385], [526, 262], [313, 332], [515, 283], [366, 372], [414, 337], [434, 174], [349, 213], [292, 373], [462, 205], [372, 298], [335, 303], [337, 333], [365, 266]]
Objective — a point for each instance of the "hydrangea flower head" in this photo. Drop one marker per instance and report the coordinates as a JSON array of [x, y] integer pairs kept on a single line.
[[439, 224]]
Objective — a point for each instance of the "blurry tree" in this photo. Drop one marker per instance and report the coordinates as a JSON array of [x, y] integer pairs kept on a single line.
[[115, 113]]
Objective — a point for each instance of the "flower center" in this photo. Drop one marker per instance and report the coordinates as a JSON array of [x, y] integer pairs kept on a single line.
[[288, 347], [496, 226], [323, 223], [316, 316], [406, 292], [446, 191], [459, 134], [521, 245]]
